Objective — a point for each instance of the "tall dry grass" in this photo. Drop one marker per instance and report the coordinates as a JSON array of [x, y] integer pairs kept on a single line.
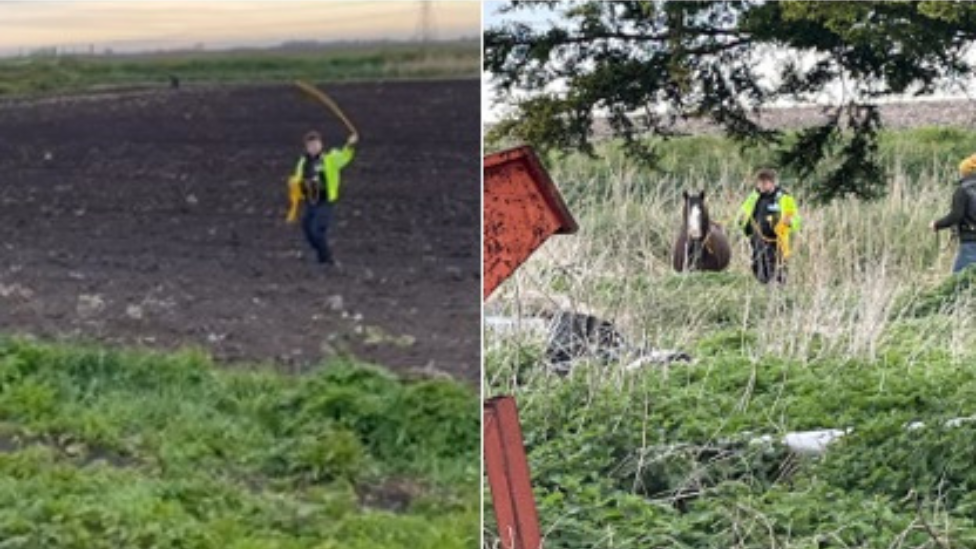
[[858, 265]]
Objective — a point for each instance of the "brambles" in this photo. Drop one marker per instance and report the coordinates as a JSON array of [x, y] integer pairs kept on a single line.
[[871, 333]]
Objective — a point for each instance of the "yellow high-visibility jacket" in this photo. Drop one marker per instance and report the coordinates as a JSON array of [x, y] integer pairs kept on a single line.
[[786, 223], [788, 212], [332, 164]]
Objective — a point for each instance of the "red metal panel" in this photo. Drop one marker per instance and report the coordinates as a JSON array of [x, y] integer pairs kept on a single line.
[[522, 208], [508, 476]]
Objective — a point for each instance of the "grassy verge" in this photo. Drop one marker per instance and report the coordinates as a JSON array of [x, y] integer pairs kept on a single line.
[[39, 75], [125, 449], [871, 334]]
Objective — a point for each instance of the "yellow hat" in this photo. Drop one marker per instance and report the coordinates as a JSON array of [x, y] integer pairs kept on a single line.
[[968, 166]]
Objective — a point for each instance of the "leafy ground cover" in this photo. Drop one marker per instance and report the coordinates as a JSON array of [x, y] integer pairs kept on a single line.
[[131, 449]]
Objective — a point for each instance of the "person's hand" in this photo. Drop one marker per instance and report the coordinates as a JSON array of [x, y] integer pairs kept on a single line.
[[353, 140], [932, 226]]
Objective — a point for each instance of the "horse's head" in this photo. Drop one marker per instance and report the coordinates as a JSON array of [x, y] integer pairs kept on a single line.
[[701, 245], [696, 215]]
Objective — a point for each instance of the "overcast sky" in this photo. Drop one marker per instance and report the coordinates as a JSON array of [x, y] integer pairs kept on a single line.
[[132, 25]]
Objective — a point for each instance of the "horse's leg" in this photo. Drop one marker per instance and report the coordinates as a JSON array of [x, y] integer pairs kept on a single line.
[[679, 255], [696, 255]]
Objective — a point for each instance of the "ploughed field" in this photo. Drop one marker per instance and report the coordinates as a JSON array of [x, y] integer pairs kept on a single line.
[[157, 219]]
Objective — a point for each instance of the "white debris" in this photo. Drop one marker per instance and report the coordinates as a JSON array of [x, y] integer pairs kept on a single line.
[[134, 312], [569, 336], [512, 326], [657, 357], [335, 303], [812, 443], [16, 290], [815, 443], [959, 421], [954, 422], [89, 305]]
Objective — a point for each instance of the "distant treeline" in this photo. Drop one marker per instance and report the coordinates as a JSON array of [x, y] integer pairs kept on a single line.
[[308, 46], [350, 61]]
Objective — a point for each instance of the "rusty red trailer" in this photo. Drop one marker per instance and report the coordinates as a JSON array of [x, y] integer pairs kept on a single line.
[[522, 209]]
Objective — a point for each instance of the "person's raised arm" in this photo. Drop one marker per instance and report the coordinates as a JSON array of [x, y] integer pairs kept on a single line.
[[345, 155]]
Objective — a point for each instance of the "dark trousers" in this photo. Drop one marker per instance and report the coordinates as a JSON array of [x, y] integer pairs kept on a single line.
[[767, 265], [965, 257], [315, 224]]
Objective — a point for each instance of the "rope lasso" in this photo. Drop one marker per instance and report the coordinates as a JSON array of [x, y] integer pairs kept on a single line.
[[328, 102], [295, 191], [781, 240]]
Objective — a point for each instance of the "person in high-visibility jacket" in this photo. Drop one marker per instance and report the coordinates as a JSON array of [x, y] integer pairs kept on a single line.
[[962, 217], [315, 185], [769, 217]]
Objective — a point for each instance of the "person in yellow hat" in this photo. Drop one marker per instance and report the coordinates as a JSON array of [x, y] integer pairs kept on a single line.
[[962, 217], [768, 217]]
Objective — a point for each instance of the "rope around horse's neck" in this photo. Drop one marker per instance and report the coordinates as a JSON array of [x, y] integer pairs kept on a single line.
[[756, 230]]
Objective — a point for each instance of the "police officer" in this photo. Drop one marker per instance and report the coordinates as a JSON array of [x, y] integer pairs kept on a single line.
[[768, 217], [319, 175]]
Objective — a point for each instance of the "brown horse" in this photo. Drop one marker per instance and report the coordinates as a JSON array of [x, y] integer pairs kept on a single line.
[[701, 244]]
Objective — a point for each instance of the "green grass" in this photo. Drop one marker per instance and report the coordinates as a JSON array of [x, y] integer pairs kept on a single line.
[[872, 333], [46, 75], [666, 460], [128, 449]]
